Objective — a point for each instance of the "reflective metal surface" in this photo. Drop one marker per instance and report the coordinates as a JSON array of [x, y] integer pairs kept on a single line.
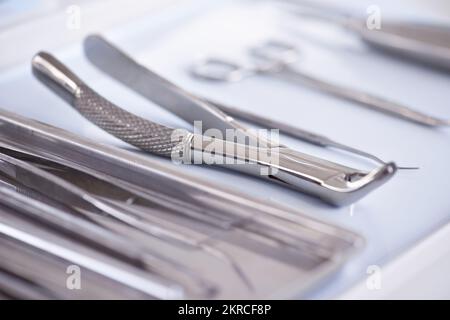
[[330, 182], [277, 60]]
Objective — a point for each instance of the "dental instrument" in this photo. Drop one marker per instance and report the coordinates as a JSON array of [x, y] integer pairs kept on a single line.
[[333, 183], [277, 61]]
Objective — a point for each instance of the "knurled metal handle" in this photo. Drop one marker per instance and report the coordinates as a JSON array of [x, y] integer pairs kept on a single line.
[[139, 132]]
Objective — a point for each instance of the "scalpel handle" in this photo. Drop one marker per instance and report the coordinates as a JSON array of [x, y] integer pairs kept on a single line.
[[137, 131]]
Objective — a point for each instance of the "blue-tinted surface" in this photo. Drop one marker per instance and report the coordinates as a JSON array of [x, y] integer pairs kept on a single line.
[[392, 218]]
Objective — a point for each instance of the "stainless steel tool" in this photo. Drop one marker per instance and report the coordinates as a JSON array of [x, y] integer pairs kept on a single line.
[[277, 61], [329, 181], [133, 212], [14, 227], [428, 44], [296, 132], [129, 170], [72, 196], [249, 230], [142, 174], [27, 273], [293, 245], [29, 181], [15, 287]]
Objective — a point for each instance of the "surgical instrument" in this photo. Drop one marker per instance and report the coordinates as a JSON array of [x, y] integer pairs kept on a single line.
[[63, 147], [158, 196], [144, 173], [19, 281], [70, 194], [17, 288], [89, 232], [238, 221], [42, 183], [48, 275], [428, 44], [295, 132], [46, 182], [333, 183], [277, 61], [94, 42], [25, 232], [28, 177]]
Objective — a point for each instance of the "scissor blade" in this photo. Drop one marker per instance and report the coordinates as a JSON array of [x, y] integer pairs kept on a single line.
[[155, 88]]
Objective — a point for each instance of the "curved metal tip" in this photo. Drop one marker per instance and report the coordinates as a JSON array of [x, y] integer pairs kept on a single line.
[[355, 190], [333, 183]]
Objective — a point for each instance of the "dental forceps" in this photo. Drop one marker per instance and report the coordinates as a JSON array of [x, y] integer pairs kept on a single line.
[[277, 59], [331, 182]]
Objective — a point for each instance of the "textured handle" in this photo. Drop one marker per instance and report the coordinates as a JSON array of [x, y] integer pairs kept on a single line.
[[139, 132]]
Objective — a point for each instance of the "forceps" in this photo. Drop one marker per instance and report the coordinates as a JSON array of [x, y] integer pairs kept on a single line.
[[277, 59], [329, 181]]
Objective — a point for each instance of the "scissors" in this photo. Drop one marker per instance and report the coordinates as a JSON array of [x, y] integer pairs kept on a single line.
[[277, 59], [331, 182]]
